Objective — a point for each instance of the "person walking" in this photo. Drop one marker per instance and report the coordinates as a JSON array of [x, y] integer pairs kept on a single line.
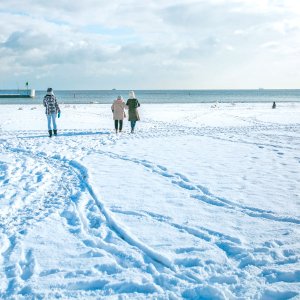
[[52, 109], [133, 115], [118, 109]]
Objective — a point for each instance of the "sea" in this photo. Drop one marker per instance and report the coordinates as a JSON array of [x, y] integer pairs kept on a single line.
[[164, 96]]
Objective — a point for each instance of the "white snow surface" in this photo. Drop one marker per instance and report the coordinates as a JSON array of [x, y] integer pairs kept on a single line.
[[198, 203]]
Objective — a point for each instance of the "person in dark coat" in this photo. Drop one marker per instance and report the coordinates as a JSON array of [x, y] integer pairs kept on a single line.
[[133, 115], [274, 105], [52, 109]]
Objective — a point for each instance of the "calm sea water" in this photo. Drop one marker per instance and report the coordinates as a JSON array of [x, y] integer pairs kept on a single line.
[[165, 96]]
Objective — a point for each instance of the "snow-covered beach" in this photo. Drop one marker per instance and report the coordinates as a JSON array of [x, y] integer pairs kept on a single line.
[[199, 203]]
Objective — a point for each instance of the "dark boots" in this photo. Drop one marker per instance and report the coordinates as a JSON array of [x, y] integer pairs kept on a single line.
[[54, 132]]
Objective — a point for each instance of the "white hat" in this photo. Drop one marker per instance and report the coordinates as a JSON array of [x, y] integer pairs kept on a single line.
[[131, 95]]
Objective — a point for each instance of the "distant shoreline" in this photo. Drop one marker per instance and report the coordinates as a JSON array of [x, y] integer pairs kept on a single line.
[[213, 105], [166, 96]]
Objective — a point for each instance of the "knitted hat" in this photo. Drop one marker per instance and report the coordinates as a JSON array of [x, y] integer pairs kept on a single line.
[[50, 92], [131, 95], [120, 97]]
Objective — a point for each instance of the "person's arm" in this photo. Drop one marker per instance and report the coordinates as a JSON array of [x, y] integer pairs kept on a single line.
[[137, 103], [124, 107], [44, 101], [56, 105]]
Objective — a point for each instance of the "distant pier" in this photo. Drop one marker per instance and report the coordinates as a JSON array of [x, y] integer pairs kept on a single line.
[[17, 93]]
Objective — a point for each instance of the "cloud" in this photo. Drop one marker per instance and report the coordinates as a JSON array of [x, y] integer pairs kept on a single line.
[[22, 41], [99, 43]]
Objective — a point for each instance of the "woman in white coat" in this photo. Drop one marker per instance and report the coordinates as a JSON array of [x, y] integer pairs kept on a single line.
[[118, 109]]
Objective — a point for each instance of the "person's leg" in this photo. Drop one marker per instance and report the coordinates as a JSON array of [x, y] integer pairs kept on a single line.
[[54, 123], [132, 126], [116, 125], [49, 122], [49, 125], [120, 125]]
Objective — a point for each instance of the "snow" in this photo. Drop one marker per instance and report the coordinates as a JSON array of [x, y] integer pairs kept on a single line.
[[199, 203]]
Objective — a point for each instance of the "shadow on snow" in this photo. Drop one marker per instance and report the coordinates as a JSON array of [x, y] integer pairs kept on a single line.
[[68, 134]]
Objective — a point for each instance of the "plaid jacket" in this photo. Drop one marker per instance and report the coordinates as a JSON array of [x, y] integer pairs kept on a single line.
[[51, 104]]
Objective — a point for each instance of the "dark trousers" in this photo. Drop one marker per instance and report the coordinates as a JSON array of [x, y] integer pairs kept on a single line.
[[132, 124], [118, 123]]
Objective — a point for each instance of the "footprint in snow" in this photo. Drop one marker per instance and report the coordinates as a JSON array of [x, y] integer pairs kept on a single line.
[[28, 266]]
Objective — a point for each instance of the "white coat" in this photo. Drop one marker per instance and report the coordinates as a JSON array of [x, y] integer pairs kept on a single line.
[[118, 109]]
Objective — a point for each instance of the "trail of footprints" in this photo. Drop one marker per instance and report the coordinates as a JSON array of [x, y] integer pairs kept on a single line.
[[201, 193], [84, 219]]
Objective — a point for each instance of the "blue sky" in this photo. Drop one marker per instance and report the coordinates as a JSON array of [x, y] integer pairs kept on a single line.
[[160, 44]]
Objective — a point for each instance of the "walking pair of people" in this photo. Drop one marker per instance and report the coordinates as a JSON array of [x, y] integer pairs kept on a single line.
[[118, 108]]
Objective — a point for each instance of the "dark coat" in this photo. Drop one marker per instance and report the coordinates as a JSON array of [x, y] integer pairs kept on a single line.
[[132, 105], [51, 104]]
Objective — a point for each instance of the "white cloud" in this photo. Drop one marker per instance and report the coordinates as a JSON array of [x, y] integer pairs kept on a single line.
[[160, 44]]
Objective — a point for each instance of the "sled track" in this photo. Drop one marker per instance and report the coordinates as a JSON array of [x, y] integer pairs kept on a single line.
[[77, 179], [200, 192], [71, 169]]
